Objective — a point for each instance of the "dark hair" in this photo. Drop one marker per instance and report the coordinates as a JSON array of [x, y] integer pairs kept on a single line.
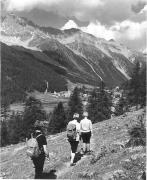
[[38, 128]]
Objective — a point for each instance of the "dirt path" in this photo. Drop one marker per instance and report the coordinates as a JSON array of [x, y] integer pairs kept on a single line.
[[66, 168]]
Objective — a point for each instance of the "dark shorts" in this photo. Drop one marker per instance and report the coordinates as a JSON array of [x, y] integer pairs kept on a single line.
[[86, 137], [74, 146]]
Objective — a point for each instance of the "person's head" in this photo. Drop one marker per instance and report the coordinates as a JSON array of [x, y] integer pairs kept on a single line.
[[85, 114], [38, 129], [76, 116]]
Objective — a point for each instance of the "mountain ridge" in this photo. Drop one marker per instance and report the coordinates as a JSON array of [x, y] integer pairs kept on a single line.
[[74, 55]]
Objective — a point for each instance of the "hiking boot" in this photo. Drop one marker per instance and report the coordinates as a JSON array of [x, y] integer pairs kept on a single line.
[[72, 164], [89, 152]]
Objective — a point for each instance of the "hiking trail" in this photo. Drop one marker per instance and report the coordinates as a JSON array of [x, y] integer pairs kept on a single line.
[[66, 166]]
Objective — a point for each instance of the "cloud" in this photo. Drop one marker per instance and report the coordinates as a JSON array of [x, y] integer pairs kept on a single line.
[[59, 5], [105, 11], [131, 30], [99, 30], [133, 34], [123, 20], [139, 6], [143, 10]]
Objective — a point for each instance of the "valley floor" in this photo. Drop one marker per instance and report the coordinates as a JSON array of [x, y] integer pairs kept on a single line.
[[109, 160]]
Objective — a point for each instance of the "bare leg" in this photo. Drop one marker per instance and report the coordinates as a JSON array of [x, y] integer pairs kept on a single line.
[[88, 146], [84, 147], [72, 157]]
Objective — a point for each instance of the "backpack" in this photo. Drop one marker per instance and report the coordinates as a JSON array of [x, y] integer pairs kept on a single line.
[[71, 132], [33, 150]]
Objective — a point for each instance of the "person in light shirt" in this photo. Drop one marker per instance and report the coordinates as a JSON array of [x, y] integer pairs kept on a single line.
[[86, 132], [74, 144]]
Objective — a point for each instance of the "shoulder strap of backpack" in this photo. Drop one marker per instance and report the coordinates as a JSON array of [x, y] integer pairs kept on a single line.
[[38, 136]]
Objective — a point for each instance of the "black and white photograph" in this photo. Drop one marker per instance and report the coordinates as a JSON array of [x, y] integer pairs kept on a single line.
[[73, 89]]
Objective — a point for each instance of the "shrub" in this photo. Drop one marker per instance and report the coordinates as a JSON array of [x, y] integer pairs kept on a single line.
[[97, 157], [137, 133]]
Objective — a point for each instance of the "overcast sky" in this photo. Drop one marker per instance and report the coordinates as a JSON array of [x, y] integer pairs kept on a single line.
[[123, 20]]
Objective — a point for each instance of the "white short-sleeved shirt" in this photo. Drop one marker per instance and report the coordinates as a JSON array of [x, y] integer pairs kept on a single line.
[[77, 128], [85, 125]]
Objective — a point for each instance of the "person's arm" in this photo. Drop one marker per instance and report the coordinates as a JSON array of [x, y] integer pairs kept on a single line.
[[91, 126], [44, 142], [46, 151], [80, 126]]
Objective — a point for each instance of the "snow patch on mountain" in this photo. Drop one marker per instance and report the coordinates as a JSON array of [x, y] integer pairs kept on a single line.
[[70, 24]]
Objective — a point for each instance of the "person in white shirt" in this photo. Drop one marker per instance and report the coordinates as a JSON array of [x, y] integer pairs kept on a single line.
[[74, 143], [86, 132]]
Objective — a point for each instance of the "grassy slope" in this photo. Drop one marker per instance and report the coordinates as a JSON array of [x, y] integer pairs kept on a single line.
[[47, 100], [15, 163]]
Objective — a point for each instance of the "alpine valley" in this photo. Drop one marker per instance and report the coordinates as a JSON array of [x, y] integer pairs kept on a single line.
[[31, 55]]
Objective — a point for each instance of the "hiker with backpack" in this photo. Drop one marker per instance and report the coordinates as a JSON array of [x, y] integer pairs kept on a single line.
[[73, 135], [86, 132], [37, 150]]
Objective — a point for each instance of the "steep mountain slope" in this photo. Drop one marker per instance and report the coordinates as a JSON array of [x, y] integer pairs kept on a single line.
[[23, 72], [78, 56], [116, 162], [97, 50]]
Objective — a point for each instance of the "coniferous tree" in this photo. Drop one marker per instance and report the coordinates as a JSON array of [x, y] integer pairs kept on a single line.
[[20, 126], [15, 128], [122, 106], [99, 105], [33, 112], [4, 133], [105, 102], [142, 99], [75, 104], [58, 119], [93, 106], [136, 87]]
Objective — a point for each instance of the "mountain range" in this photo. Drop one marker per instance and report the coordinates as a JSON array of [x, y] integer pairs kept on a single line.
[[32, 55]]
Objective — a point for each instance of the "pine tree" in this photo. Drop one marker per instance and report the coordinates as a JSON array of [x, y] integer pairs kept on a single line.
[[4, 133], [121, 107], [15, 128], [58, 119], [99, 105], [75, 104], [104, 102], [33, 112], [93, 106], [142, 88], [134, 85]]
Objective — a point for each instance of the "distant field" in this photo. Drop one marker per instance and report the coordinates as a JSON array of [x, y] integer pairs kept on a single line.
[[48, 102]]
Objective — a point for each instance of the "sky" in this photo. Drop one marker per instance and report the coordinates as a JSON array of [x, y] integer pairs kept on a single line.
[[122, 20]]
